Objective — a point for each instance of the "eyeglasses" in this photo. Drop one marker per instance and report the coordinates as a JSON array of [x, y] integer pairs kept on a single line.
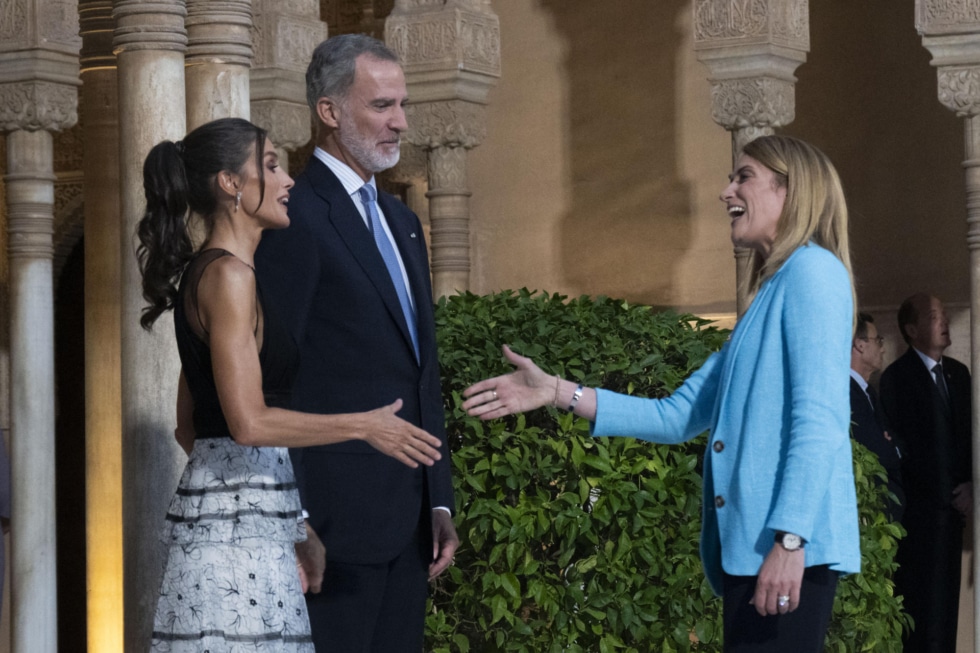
[[878, 339]]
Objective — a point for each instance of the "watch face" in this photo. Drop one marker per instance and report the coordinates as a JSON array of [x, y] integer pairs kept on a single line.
[[791, 542]]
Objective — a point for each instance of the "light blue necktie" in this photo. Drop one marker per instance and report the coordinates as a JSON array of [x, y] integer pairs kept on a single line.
[[369, 199]]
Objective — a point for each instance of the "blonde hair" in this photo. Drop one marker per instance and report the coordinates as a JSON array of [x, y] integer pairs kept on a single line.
[[814, 210]]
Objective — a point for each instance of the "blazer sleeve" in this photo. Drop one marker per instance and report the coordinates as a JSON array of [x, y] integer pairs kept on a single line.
[[683, 415]]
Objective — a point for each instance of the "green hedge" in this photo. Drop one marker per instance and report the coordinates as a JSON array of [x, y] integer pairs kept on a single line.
[[579, 544]]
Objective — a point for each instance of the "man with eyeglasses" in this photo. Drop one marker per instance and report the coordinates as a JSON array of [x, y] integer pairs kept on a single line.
[[867, 357], [926, 400]]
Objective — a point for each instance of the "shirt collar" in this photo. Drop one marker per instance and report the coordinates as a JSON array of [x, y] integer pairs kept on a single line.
[[860, 380], [350, 180], [928, 362]]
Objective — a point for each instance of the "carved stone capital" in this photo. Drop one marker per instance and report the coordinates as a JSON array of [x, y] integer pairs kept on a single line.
[[34, 105], [448, 49], [780, 22], [959, 89], [219, 31], [760, 102], [454, 123], [287, 123], [447, 172], [157, 25], [934, 17]]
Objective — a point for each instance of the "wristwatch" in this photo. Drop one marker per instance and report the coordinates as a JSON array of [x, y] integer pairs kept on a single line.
[[789, 541]]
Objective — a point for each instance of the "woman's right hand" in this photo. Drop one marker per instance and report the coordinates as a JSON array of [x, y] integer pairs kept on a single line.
[[524, 389], [393, 436]]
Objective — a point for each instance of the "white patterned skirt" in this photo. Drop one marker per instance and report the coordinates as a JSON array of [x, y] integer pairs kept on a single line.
[[230, 584]]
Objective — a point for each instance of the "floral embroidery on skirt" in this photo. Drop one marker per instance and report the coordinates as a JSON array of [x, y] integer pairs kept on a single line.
[[230, 584]]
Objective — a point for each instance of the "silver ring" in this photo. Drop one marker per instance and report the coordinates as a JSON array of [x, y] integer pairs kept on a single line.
[[782, 601], [494, 393]]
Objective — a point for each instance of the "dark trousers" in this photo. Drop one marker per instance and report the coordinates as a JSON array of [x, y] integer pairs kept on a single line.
[[372, 608], [928, 577], [800, 631]]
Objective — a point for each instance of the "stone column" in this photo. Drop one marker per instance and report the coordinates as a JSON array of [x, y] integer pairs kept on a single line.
[[284, 34], [38, 95], [450, 50], [149, 41], [103, 417], [951, 32], [219, 52], [752, 51]]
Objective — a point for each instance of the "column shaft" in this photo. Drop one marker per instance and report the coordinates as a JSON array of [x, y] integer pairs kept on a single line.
[[149, 40], [30, 196], [972, 168], [449, 214], [219, 51], [103, 403]]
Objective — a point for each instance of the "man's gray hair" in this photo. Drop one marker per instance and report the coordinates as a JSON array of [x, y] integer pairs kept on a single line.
[[331, 70]]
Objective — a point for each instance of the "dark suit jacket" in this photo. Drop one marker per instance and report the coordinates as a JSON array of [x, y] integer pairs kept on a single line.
[[935, 439], [867, 428], [326, 276]]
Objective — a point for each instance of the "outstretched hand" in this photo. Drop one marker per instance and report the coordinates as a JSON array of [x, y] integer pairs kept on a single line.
[[399, 439], [524, 389]]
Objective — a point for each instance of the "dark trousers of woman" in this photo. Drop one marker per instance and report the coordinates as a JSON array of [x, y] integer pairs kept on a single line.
[[800, 631]]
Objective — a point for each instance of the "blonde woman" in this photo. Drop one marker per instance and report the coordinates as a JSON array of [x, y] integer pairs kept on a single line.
[[780, 511]]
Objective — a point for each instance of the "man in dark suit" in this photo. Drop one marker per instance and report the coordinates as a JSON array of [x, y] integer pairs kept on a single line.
[[867, 354], [351, 275], [926, 400]]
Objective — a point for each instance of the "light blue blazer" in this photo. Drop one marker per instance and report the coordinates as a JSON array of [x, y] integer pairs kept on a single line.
[[776, 400]]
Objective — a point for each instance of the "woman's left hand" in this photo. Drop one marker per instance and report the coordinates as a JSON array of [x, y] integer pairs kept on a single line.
[[781, 575]]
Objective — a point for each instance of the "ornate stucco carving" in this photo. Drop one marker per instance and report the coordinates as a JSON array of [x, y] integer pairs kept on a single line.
[[37, 105], [284, 34], [786, 22], [58, 22], [454, 123], [464, 39], [947, 16], [284, 40], [959, 89], [447, 170], [739, 103], [287, 123], [13, 22]]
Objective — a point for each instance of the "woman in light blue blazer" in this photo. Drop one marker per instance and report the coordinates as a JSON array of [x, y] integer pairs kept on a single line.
[[780, 510]]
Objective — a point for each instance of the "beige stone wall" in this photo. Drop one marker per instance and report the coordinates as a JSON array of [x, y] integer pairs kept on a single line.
[[601, 167]]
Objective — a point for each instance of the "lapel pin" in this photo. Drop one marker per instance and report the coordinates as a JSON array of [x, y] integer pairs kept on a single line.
[[413, 234]]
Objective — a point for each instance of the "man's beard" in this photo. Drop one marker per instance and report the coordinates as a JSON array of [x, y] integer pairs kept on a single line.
[[364, 151]]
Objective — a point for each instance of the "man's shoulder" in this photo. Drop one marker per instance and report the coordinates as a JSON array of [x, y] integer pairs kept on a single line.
[[902, 365], [954, 366]]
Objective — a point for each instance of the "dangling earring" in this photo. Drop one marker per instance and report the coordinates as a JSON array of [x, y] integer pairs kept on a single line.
[[238, 200]]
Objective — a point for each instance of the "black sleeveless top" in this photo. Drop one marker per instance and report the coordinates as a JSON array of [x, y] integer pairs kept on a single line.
[[278, 358]]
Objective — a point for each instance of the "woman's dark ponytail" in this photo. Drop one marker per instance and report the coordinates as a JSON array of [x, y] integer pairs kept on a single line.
[[165, 246], [179, 179]]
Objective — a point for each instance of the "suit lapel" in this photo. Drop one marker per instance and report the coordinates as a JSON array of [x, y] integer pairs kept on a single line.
[[350, 226]]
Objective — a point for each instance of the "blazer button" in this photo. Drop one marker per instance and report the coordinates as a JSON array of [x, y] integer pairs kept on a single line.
[[718, 446], [719, 501]]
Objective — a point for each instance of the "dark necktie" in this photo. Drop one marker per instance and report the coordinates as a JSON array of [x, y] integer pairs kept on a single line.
[[873, 398], [937, 369], [369, 199]]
